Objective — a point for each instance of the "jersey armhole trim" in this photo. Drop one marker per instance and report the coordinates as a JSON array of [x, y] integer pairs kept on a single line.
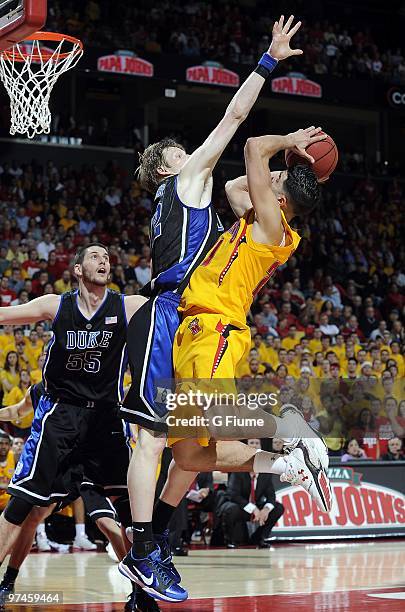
[[59, 307], [123, 308], [185, 205]]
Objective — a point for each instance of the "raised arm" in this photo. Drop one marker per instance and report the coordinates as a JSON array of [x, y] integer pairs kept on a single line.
[[202, 162], [40, 309], [258, 152], [238, 195]]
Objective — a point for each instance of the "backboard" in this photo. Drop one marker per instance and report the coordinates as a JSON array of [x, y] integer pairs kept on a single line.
[[19, 19]]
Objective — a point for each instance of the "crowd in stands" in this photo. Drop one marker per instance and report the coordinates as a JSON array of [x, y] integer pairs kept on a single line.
[[229, 32], [327, 330]]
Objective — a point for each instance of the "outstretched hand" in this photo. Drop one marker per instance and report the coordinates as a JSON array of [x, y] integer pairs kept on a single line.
[[280, 45], [301, 139]]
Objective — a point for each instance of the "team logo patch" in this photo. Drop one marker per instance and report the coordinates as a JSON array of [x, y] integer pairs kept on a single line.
[[110, 320], [195, 326]]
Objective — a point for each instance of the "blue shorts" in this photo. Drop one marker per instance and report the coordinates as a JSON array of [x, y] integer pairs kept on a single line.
[[150, 339]]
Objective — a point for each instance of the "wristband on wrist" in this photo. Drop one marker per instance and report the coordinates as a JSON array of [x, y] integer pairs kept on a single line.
[[266, 65]]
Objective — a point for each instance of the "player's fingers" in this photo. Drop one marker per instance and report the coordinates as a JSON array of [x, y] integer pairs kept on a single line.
[[295, 29], [281, 22], [314, 131], [275, 27], [297, 52], [307, 156], [318, 137], [288, 24], [309, 129]]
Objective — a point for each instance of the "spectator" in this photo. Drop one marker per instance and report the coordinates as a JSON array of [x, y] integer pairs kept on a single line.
[[353, 451], [63, 284], [7, 467], [252, 510], [395, 452], [142, 272], [45, 247], [10, 375]]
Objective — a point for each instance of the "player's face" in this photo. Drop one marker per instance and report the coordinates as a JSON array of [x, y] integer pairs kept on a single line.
[[175, 159], [95, 268]]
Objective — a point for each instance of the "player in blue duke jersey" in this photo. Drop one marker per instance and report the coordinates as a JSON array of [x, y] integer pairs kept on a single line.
[[184, 227], [76, 421]]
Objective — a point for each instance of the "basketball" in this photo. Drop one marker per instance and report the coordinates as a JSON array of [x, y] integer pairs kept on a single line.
[[325, 154]]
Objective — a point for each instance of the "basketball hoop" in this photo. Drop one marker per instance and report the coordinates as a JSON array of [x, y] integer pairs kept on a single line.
[[29, 71]]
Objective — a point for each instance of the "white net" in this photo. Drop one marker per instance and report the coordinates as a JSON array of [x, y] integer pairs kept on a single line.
[[29, 71]]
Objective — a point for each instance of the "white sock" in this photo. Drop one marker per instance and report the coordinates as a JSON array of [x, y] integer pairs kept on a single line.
[[263, 463], [80, 532], [41, 529]]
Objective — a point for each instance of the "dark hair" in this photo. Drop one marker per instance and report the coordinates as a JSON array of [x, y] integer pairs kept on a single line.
[[302, 189], [372, 419], [346, 445], [149, 162], [80, 253], [7, 365], [5, 436]]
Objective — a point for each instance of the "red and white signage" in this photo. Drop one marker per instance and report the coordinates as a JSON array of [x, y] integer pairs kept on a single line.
[[211, 73], [360, 506], [296, 85], [125, 63]]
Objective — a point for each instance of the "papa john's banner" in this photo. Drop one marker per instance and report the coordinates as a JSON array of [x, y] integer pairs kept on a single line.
[[125, 62], [296, 84], [212, 73], [368, 500]]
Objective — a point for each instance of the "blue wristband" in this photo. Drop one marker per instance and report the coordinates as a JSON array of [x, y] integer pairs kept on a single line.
[[268, 62]]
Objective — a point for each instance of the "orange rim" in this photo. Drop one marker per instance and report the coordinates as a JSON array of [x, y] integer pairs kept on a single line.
[[11, 55]]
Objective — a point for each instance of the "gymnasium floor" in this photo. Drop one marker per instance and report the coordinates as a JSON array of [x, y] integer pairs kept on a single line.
[[341, 576]]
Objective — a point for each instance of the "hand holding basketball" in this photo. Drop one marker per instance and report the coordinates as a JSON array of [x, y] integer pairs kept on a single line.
[[280, 45], [301, 139], [320, 153]]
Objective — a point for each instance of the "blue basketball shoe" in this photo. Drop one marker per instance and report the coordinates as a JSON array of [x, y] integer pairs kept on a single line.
[[152, 576], [166, 557]]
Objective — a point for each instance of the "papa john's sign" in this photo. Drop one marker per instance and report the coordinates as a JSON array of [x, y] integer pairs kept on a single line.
[[360, 507], [296, 84], [125, 62], [212, 73]]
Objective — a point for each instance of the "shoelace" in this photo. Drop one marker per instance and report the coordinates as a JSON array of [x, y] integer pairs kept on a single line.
[[163, 541], [161, 572]]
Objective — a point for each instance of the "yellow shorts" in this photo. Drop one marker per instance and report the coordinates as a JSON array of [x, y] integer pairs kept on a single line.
[[207, 349]]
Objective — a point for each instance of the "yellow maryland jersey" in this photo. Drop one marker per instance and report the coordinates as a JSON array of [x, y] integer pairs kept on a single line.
[[234, 271], [6, 472]]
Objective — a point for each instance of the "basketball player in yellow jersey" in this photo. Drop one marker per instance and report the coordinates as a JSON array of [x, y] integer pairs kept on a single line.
[[213, 336]]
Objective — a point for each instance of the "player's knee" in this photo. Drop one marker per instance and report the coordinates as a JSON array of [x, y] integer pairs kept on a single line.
[[150, 444], [184, 461], [17, 510]]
